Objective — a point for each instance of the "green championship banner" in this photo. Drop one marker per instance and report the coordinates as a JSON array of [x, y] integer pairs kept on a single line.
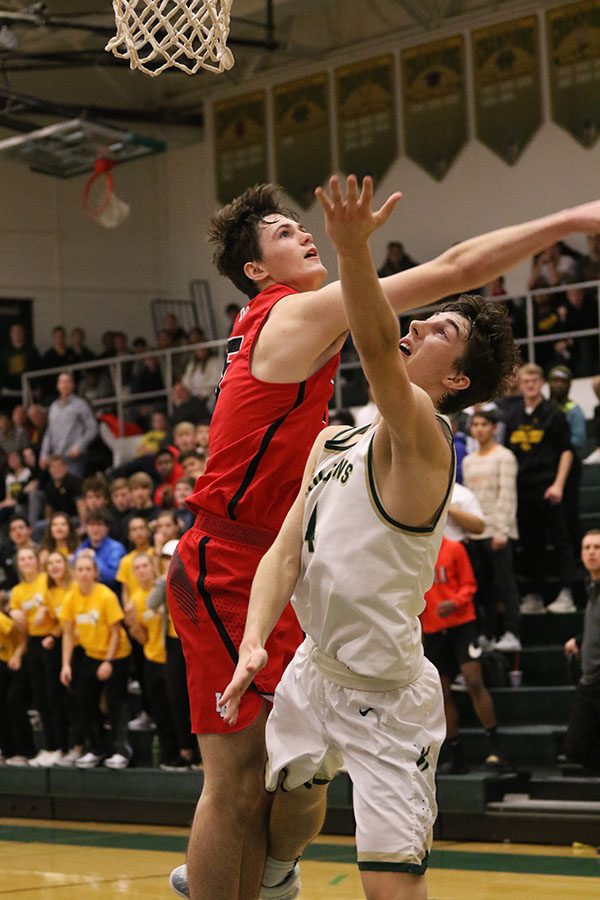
[[506, 68], [240, 131], [366, 117], [435, 106], [574, 62], [302, 136]]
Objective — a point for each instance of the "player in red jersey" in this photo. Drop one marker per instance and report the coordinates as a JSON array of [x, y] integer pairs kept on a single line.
[[283, 352]]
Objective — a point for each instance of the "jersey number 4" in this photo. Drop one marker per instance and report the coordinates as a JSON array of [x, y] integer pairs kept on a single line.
[[309, 537]]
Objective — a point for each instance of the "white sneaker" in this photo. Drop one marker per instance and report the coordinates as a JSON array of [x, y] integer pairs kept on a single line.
[[88, 761], [563, 603], [17, 761], [143, 722], [134, 687], [593, 458], [486, 644], [116, 761], [287, 890], [68, 760], [532, 605], [509, 642], [459, 683], [178, 881], [43, 759]]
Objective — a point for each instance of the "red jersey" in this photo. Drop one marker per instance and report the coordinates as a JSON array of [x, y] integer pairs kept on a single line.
[[261, 433], [454, 580]]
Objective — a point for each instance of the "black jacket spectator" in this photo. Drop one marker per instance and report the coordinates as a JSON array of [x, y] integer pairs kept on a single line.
[[62, 489]]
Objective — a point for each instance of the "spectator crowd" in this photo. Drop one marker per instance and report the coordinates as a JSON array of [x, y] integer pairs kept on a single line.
[[86, 535]]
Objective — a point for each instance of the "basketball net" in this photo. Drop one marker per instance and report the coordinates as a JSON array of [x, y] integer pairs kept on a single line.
[[100, 202], [155, 35]]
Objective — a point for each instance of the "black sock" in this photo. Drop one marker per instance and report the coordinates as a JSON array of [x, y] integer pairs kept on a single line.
[[492, 736], [456, 751]]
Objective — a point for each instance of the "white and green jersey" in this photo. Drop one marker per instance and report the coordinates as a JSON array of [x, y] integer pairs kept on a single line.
[[363, 574]]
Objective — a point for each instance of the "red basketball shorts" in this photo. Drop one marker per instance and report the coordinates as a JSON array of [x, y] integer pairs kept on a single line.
[[208, 589]]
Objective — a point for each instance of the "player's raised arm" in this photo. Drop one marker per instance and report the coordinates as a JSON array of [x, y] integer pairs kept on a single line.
[[375, 331], [478, 260]]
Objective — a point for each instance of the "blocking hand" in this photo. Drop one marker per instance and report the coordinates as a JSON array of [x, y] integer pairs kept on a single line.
[[349, 222]]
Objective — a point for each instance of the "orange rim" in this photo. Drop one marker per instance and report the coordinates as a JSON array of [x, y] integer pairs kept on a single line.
[[102, 169]]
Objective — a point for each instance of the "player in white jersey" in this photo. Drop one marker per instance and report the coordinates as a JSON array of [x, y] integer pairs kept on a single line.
[[357, 551]]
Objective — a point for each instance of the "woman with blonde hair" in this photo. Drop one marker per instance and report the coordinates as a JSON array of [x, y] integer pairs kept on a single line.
[[59, 585], [147, 626], [93, 616], [42, 661]]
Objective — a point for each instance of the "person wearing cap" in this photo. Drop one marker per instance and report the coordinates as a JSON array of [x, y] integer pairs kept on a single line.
[[538, 434], [559, 381]]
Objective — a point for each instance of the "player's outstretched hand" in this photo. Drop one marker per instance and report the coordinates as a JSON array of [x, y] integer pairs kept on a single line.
[[350, 221], [251, 660]]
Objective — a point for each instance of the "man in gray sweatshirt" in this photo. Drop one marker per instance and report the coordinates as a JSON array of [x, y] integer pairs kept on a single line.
[[582, 742], [71, 427]]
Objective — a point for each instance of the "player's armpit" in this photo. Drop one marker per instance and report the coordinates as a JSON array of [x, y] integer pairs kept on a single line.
[[300, 334]]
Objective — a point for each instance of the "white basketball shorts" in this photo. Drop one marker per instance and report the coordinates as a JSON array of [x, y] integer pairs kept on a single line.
[[389, 742]]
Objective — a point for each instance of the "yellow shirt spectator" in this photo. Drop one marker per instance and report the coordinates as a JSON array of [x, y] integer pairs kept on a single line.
[[93, 614], [9, 640], [30, 596], [153, 621], [56, 597], [125, 574]]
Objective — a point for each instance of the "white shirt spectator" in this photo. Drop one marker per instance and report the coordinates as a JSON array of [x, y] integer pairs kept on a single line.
[[466, 501]]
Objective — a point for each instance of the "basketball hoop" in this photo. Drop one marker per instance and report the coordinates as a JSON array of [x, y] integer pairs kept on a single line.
[[155, 35], [100, 202]]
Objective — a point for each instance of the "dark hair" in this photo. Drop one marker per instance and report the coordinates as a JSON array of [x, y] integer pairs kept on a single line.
[[48, 542], [490, 355], [233, 231], [96, 484], [18, 518], [98, 517], [490, 415], [190, 454], [165, 451]]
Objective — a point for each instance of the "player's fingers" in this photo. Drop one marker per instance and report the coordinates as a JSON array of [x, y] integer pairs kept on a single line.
[[336, 191], [231, 713], [352, 189], [324, 200], [366, 194], [383, 214]]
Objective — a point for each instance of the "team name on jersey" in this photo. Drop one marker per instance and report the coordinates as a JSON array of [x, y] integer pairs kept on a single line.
[[33, 603], [148, 615], [88, 618], [341, 472]]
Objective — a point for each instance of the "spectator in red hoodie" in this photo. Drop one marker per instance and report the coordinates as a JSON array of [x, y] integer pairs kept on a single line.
[[170, 472], [450, 639]]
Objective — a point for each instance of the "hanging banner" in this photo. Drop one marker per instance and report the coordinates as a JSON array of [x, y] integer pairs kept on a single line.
[[435, 106], [574, 62], [240, 144], [366, 117], [302, 136], [508, 106]]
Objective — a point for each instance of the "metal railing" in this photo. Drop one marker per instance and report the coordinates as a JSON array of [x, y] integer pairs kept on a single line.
[[122, 397]]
